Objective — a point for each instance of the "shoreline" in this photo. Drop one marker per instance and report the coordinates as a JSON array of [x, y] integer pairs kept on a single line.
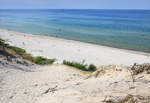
[[90, 43], [104, 46], [44, 40]]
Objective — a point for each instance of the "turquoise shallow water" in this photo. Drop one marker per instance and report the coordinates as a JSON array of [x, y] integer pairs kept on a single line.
[[127, 29]]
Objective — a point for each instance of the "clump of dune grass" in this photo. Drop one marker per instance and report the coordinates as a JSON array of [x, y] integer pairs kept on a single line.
[[92, 67], [6, 48], [81, 66], [42, 60], [37, 60], [2, 41]]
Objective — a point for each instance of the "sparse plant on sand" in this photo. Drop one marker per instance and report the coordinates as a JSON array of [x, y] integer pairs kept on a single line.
[[81, 66], [7, 49], [92, 67], [42, 60]]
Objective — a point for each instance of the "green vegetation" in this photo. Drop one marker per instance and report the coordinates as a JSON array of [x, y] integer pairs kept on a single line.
[[21, 52], [2, 41], [42, 61], [80, 66], [92, 67], [17, 50]]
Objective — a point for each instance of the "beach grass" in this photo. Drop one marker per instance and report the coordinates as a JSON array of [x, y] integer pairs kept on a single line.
[[27, 56], [41, 60], [82, 66]]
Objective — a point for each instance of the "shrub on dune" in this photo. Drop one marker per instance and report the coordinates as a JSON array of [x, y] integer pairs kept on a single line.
[[42, 60], [80, 66], [92, 67], [22, 53]]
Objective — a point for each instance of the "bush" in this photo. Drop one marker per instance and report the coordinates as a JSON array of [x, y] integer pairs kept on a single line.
[[42, 60], [92, 67], [28, 57], [80, 66]]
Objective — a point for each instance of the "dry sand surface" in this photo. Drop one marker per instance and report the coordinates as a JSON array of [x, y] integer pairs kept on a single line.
[[72, 50], [62, 84]]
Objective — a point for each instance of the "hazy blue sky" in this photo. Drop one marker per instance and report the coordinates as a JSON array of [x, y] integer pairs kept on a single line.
[[80, 4]]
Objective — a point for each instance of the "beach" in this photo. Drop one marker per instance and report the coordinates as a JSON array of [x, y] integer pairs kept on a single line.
[[62, 49], [116, 79]]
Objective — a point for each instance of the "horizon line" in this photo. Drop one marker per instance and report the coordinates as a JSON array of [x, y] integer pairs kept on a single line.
[[64, 9]]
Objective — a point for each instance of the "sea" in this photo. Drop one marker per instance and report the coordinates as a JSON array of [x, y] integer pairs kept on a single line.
[[125, 29]]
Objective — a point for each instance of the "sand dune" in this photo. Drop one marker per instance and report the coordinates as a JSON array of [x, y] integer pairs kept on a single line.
[[62, 84]]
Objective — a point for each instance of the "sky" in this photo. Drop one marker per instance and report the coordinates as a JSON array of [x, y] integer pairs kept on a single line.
[[74, 4]]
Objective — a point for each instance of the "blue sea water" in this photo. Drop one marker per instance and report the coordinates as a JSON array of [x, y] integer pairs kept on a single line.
[[127, 29]]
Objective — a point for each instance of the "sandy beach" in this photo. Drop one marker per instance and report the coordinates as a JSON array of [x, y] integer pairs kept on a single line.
[[62, 49]]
